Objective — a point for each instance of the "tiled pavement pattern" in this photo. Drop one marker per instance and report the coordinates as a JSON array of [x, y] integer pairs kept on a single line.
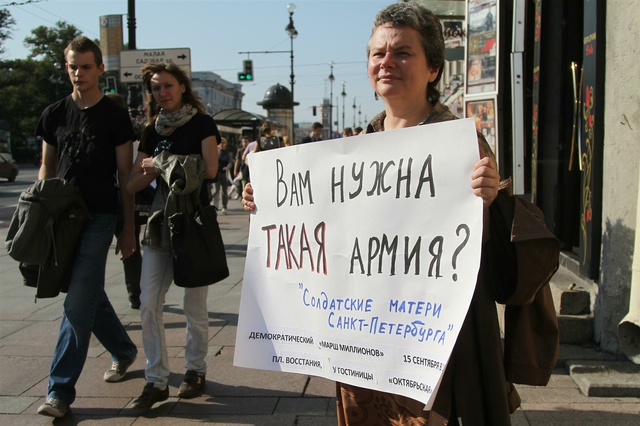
[[234, 396]]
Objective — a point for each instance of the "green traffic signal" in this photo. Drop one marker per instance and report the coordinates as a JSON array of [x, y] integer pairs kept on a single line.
[[247, 71]]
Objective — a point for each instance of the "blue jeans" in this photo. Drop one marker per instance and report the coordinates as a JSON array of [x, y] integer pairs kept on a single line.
[[87, 310]]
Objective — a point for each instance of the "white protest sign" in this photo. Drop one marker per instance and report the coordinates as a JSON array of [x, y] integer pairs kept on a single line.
[[363, 257]]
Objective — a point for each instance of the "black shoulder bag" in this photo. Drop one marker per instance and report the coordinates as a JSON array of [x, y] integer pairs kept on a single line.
[[199, 258]]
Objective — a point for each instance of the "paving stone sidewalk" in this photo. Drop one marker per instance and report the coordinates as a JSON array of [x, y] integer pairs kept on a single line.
[[234, 396]]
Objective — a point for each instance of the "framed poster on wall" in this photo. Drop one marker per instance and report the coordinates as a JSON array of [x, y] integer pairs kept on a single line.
[[452, 82], [482, 47], [484, 113]]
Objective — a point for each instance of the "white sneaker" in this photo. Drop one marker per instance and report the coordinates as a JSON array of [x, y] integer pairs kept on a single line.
[[223, 211], [117, 371], [54, 408]]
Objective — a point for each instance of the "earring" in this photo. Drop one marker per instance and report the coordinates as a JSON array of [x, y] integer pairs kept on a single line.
[[375, 95]]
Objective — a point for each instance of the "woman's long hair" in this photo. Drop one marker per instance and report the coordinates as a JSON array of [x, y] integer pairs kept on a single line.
[[188, 97]]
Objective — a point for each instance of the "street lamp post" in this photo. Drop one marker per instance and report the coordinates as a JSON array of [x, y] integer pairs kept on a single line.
[[134, 97], [293, 33], [337, 113], [331, 79], [131, 23], [360, 115], [354, 112], [344, 95]]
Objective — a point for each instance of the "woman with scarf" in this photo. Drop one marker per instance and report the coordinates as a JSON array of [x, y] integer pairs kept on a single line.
[[177, 123], [405, 62]]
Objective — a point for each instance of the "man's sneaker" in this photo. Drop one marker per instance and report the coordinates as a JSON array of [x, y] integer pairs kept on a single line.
[[117, 371], [150, 395], [223, 210], [193, 385], [53, 407]]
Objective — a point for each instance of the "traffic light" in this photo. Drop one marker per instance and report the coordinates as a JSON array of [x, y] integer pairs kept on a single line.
[[248, 69], [247, 72], [112, 86], [314, 109]]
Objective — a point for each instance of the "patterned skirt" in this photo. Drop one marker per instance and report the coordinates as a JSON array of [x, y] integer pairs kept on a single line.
[[365, 407]]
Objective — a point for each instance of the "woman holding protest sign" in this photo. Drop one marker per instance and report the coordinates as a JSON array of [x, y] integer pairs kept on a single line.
[[405, 61]]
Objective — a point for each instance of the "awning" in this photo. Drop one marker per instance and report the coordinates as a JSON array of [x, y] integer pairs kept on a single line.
[[238, 118]]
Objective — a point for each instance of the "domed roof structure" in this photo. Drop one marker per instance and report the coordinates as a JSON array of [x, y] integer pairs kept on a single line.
[[277, 96]]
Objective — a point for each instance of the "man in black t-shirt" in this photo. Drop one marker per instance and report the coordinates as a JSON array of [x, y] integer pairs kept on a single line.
[[87, 138]]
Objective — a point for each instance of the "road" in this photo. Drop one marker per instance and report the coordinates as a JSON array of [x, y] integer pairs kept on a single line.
[[10, 192]]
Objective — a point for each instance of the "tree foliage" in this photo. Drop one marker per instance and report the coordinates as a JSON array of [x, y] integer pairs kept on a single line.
[[28, 85], [48, 43], [6, 24], [25, 89]]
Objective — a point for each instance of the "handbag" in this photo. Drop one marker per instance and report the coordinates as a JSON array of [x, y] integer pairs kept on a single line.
[[199, 258]]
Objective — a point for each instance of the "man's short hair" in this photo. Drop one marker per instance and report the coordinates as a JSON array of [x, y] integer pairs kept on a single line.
[[317, 125], [82, 44]]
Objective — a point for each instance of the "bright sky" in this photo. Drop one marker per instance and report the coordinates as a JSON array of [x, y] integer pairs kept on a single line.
[[216, 30]]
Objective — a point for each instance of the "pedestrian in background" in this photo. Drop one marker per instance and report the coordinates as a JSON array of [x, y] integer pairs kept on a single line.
[[132, 264], [235, 191], [246, 173], [286, 140], [347, 132], [93, 135], [222, 182], [268, 139], [177, 123], [405, 60], [240, 167], [315, 134]]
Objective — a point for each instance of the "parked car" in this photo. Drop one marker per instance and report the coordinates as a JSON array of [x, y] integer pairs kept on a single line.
[[8, 169]]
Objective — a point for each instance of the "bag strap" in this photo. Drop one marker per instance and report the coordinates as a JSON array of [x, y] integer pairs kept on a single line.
[[196, 195]]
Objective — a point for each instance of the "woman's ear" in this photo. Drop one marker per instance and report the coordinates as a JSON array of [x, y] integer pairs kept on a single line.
[[433, 74]]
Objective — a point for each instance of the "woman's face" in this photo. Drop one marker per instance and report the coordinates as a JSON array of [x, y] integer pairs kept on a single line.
[[398, 67], [166, 91]]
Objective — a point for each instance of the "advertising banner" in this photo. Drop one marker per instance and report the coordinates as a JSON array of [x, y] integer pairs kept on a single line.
[[482, 47]]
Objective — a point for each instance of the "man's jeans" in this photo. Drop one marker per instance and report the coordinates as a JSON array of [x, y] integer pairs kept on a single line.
[[87, 310]]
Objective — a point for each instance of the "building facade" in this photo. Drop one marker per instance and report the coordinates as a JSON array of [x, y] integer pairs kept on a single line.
[[217, 93], [553, 82]]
